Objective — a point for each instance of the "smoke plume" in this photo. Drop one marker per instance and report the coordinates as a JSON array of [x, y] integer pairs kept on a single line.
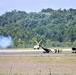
[[5, 41]]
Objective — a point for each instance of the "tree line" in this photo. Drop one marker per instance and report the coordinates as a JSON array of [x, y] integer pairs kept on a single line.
[[56, 28]]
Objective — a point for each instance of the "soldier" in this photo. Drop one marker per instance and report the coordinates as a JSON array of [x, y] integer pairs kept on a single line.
[[58, 50], [55, 50]]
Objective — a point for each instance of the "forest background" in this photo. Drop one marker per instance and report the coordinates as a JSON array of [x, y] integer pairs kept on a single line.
[[56, 28]]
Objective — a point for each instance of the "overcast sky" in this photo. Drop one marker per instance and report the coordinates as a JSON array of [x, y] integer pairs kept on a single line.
[[35, 5]]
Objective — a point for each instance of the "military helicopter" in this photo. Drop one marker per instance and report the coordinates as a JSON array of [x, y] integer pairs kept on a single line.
[[46, 50]]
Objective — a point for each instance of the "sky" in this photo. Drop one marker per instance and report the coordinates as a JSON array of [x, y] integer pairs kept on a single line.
[[35, 5]]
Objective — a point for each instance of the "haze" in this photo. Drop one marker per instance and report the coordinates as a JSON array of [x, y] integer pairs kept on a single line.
[[35, 5]]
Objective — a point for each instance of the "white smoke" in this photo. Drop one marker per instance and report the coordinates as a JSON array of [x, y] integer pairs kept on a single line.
[[5, 41]]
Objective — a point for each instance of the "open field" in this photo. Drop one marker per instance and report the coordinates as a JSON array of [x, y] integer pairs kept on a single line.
[[32, 50], [36, 65]]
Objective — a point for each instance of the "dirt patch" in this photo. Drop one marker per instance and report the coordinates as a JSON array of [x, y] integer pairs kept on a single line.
[[34, 64]]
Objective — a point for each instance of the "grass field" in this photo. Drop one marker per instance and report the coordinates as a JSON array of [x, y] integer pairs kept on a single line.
[[35, 65]]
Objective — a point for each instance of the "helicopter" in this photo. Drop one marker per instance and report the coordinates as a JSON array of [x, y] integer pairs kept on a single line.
[[46, 50]]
